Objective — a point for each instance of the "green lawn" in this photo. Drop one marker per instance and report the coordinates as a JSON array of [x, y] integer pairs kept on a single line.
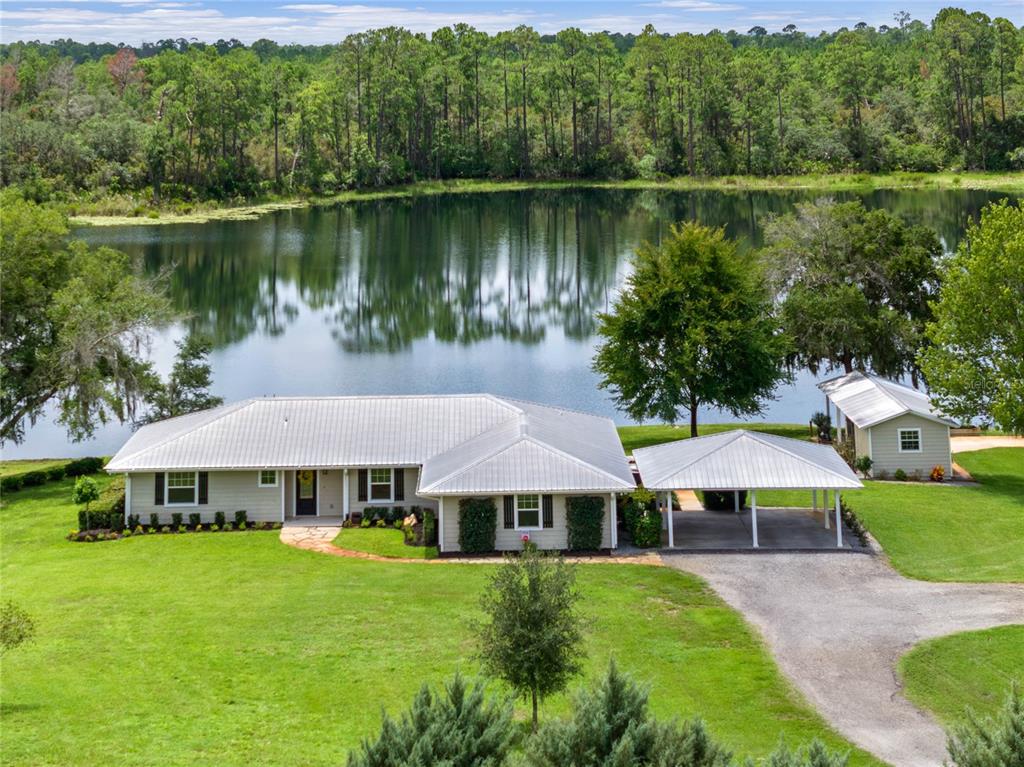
[[654, 434], [29, 464], [238, 650], [949, 533], [385, 542], [970, 670]]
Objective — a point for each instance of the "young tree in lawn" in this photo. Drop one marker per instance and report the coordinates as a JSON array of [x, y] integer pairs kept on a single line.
[[16, 627], [457, 726], [975, 364], [692, 327], [85, 493], [74, 324], [533, 639], [187, 390], [853, 286]]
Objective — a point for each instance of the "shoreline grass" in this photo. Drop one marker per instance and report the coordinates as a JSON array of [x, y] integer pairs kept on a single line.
[[94, 213]]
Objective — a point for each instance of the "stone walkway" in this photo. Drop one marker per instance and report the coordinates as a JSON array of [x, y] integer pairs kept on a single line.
[[312, 537], [837, 625]]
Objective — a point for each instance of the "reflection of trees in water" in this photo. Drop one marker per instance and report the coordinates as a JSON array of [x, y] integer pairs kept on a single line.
[[462, 268]]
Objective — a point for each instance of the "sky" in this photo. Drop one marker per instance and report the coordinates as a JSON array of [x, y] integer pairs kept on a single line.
[[305, 21]]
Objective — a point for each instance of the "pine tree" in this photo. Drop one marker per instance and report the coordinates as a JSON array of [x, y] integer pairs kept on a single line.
[[993, 742], [187, 388], [459, 726]]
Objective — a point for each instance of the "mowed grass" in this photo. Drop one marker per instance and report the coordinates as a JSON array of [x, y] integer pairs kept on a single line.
[[942, 532], [975, 670], [654, 434], [238, 650], [29, 464], [384, 542]]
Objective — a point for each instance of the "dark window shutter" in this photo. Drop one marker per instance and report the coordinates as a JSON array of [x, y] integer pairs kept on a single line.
[[510, 512], [362, 484], [204, 487], [399, 476], [158, 497], [549, 514]]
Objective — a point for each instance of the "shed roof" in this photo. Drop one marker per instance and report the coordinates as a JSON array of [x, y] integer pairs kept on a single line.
[[740, 460], [869, 400], [465, 443]]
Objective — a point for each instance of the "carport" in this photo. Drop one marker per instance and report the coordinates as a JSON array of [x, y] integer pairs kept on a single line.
[[741, 460]]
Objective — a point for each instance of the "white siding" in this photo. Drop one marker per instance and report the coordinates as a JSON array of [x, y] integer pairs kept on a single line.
[[887, 457], [555, 538], [229, 491], [860, 441]]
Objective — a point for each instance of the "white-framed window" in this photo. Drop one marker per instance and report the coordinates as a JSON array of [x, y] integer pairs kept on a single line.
[[181, 488], [382, 485], [268, 478], [910, 440], [528, 512]]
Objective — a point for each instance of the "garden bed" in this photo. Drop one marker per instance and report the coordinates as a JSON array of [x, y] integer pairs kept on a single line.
[[113, 534]]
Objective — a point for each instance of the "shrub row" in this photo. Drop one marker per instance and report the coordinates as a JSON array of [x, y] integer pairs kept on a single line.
[[713, 500], [88, 536], [584, 516], [641, 518], [77, 468]]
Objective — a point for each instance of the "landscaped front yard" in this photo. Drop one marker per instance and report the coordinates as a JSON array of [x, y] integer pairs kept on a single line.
[[384, 542], [975, 669], [238, 650]]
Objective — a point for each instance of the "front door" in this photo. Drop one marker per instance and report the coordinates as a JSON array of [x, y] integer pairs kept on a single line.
[[305, 492]]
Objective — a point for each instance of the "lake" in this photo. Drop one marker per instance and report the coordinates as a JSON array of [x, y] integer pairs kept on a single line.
[[492, 292]]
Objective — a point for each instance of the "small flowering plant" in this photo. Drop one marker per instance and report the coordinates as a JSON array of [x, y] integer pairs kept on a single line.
[[938, 473], [525, 537]]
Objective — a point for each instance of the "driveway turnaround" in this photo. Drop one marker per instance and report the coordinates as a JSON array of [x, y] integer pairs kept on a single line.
[[838, 623]]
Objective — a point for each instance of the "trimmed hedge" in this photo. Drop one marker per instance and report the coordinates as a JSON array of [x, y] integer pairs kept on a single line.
[[111, 518], [429, 528], [584, 518], [641, 517], [76, 468], [478, 525], [713, 500]]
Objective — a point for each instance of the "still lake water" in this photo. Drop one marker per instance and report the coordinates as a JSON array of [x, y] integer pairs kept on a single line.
[[455, 293]]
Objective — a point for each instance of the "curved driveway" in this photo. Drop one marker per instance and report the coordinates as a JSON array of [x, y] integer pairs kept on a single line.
[[838, 623]]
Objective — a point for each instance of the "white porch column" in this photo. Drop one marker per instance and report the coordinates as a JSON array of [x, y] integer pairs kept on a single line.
[[317, 476], [440, 524], [824, 508], [614, 518], [839, 522], [753, 515], [280, 481], [668, 516], [344, 494], [736, 500], [127, 497]]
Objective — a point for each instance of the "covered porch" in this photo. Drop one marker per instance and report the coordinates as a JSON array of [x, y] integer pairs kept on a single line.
[[733, 467]]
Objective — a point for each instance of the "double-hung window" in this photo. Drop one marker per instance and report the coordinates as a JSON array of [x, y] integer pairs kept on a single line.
[[182, 488], [381, 485], [268, 478], [528, 512], [910, 440]]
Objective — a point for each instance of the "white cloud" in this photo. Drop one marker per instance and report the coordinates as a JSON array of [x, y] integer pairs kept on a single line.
[[705, 6]]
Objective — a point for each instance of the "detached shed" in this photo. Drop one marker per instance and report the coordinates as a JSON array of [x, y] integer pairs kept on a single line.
[[894, 425]]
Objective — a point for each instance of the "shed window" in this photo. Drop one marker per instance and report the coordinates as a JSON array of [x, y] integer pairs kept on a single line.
[[181, 488], [380, 485], [528, 512], [910, 440], [268, 478]]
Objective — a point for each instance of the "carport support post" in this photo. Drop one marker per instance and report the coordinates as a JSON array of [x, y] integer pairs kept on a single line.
[[614, 520], [668, 514], [736, 500], [814, 500], [753, 514], [824, 507], [839, 523]]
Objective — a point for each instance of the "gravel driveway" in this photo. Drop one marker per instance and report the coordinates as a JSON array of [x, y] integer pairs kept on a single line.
[[838, 623]]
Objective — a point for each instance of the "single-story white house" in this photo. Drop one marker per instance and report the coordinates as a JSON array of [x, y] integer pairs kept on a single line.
[[896, 426], [283, 457]]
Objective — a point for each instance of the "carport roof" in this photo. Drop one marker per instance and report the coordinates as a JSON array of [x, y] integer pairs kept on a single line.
[[742, 460]]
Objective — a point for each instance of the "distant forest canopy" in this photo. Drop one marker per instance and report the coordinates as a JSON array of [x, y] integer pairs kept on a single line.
[[179, 120]]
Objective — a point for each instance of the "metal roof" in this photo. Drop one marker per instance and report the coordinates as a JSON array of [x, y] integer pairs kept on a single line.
[[742, 460], [868, 400], [465, 443]]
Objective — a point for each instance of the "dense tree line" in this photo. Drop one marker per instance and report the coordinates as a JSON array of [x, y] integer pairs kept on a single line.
[[185, 120]]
